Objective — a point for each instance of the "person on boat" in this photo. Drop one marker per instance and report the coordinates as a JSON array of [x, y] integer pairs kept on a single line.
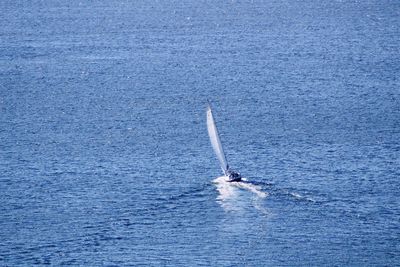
[[234, 176]]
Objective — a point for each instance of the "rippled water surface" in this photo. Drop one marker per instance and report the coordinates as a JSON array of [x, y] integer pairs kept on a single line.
[[104, 153]]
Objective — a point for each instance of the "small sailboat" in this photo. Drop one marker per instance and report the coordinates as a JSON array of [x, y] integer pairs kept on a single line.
[[233, 176]]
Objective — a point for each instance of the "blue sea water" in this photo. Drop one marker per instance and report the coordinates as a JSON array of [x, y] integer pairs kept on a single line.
[[104, 153]]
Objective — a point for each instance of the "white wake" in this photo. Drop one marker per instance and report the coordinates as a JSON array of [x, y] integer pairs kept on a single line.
[[228, 190], [231, 197]]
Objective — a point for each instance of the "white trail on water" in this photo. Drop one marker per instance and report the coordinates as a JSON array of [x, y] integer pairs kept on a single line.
[[228, 190]]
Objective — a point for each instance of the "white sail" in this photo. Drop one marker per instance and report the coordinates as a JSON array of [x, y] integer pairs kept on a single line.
[[215, 141]]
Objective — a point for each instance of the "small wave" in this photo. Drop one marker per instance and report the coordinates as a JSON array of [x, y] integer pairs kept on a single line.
[[260, 207], [300, 197]]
